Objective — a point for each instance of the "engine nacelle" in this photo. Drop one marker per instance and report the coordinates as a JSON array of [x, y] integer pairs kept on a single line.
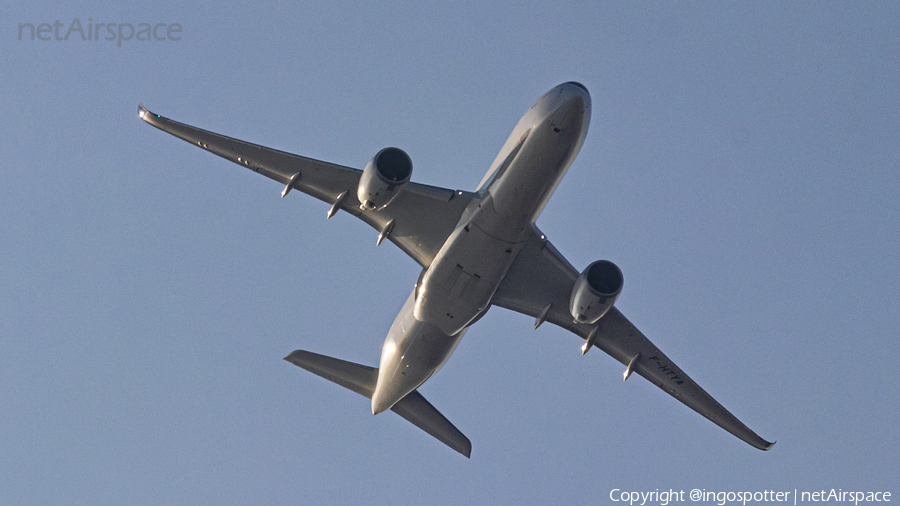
[[596, 291], [383, 178]]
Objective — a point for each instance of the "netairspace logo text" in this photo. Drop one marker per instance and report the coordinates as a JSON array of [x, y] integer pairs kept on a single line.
[[90, 31]]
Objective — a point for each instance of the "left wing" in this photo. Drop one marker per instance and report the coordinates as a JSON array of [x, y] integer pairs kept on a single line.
[[418, 221], [542, 278]]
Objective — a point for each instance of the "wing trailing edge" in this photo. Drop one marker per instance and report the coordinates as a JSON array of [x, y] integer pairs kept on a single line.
[[361, 379]]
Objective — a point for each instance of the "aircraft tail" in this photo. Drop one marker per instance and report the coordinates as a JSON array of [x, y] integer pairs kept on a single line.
[[361, 379]]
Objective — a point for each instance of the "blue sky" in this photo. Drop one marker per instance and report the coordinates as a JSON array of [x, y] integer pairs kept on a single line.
[[741, 168]]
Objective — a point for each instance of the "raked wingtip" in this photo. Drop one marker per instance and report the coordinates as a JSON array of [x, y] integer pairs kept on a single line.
[[144, 113]]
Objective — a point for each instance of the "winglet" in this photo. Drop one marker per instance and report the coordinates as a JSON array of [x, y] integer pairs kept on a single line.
[[143, 112]]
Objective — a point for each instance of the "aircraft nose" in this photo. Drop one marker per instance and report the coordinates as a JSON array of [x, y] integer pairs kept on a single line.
[[576, 89], [576, 84], [573, 107]]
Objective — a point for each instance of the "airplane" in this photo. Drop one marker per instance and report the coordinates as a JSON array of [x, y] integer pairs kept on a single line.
[[477, 250]]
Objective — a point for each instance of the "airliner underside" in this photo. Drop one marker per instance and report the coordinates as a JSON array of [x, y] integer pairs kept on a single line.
[[476, 249]]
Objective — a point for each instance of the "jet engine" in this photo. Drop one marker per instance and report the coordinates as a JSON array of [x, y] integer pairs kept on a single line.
[[595, 291], [383, 178]]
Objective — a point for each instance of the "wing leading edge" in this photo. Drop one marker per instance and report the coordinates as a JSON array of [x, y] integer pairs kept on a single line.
[[418, 221], [539, 284]]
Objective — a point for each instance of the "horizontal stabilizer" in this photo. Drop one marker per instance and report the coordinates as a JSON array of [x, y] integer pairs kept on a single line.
[[423, 415], [361, 379]]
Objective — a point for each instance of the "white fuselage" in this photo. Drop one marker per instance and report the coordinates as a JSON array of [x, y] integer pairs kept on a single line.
[[456, 289]]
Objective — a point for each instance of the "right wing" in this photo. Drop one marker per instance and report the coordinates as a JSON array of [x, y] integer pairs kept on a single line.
[[542, 278], [423, 216]]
